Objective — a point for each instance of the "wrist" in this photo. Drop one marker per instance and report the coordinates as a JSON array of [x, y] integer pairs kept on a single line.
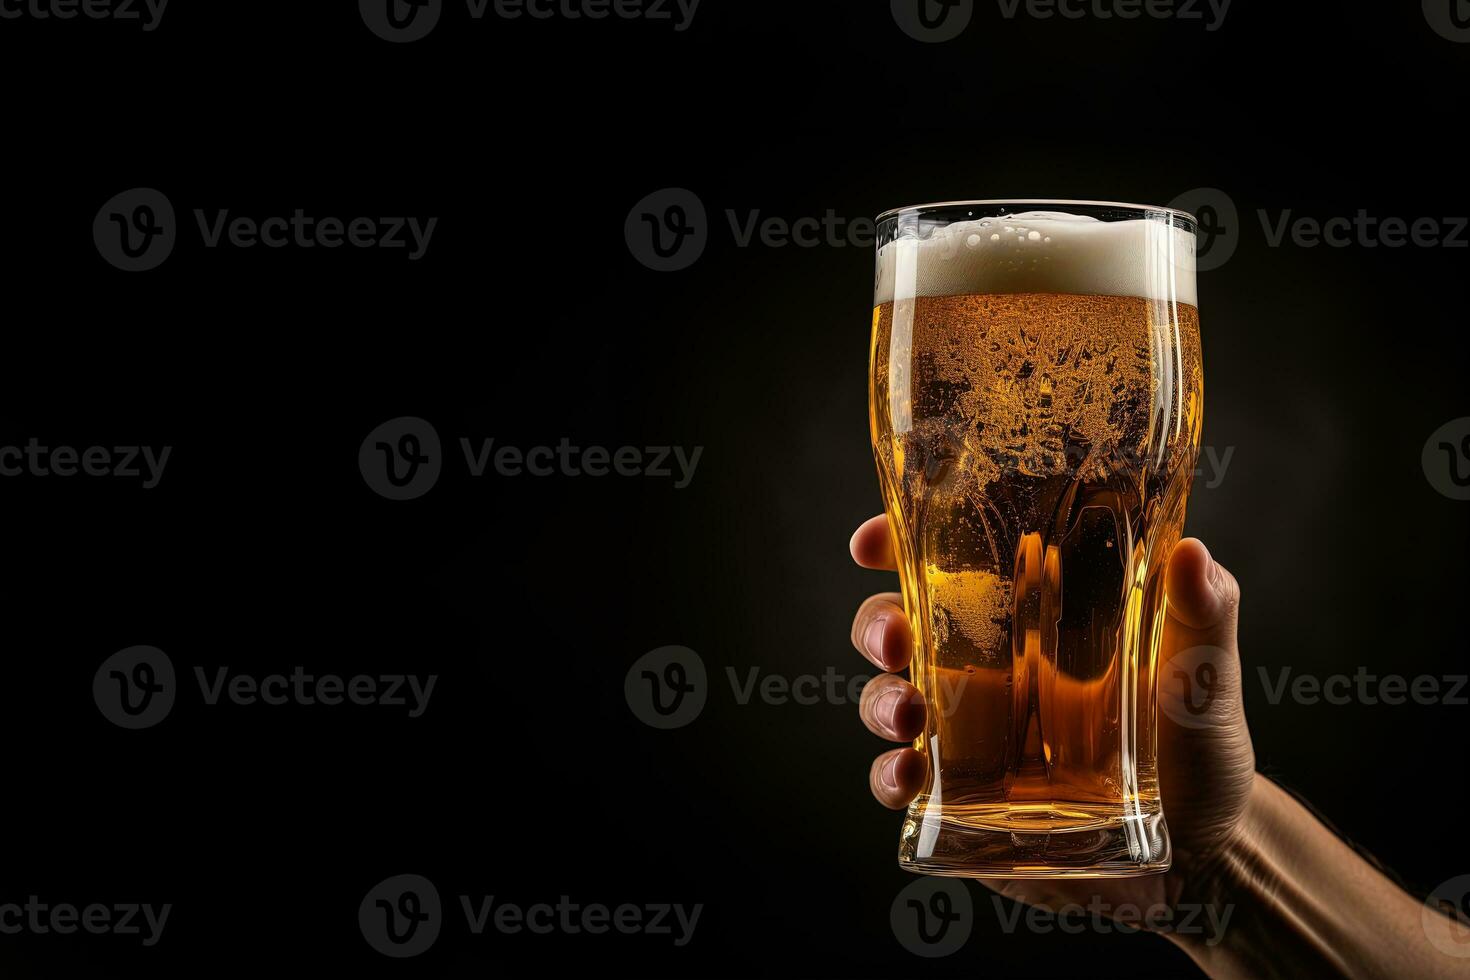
[[1233, 874], [1293, 899]]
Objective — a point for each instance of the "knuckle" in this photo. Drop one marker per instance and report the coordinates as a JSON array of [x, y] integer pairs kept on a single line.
[[1226, 588]]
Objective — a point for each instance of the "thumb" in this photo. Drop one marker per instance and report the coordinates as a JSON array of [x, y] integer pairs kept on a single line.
[[1199, 683], [1206, 762], [1204, 598]]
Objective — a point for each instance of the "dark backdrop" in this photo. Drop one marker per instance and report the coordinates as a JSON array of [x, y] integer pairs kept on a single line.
[[528, 320]]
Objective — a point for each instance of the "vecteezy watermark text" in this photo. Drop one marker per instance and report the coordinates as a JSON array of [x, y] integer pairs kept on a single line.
[[1364, 230], [402, 916], [64, 918], [302, 230], [1363, 687], [937, 21], [668, 230], [1209, 12], [124, 462], [136, 230], [147, 13], [668, 687], [1192, 682], [1220, 228], [567, 459], [402, 21], [403, 458], [135, 688], [1103, 917]]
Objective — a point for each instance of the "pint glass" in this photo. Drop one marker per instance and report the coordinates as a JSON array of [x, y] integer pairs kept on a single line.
[[1035, 402]]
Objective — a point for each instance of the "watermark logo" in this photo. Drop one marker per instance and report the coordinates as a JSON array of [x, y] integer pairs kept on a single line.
[[134, 688], [401, 916], [1192, 682], [1218, 225], [400, 21], [148, 13], [571, 918], [1102, 917], [63, 918], [667, 230], [300, 230], [1211, 13], [1363, 230], [401, 458], [1446, 459], [1190, 685], [1364, 687], [1220, 228], [933, 21], [933, 917], [135, 230], [1450, 19], [143, 463], [1446, 917], [1211, 463], [666, 688]]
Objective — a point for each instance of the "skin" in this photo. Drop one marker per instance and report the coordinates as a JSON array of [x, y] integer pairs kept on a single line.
[[1301, 901]]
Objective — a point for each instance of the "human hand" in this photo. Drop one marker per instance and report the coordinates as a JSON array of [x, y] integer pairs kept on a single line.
[[1206, 769]]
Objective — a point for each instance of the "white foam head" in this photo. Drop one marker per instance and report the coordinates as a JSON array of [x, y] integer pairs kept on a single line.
[[1042, 252]]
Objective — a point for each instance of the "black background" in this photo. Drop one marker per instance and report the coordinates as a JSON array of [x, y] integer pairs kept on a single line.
[[528, 321]]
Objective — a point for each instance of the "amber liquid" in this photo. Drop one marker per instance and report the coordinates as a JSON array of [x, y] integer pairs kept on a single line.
[[1035, 452]]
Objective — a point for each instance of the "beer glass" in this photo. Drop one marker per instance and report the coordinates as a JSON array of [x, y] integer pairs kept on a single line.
[[1035, 402]]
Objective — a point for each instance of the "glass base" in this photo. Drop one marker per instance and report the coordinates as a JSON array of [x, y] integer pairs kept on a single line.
[[1033, 841]]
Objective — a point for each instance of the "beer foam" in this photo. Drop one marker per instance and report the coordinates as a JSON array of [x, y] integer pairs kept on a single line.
[[1041, 252]]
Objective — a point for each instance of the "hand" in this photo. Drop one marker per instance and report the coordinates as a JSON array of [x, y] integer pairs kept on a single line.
[[1288, 897], [1206, 773]]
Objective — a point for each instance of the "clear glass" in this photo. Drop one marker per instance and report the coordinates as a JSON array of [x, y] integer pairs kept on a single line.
[[1036, 402]]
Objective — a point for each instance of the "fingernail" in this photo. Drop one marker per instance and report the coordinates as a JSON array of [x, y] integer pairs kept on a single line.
[[886, 710], [889, 776], [873, 638]]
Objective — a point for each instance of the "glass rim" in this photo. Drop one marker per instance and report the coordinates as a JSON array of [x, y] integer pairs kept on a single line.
[[937, 205]]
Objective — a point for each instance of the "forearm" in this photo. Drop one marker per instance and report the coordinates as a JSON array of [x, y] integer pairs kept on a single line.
[[1301, 903]]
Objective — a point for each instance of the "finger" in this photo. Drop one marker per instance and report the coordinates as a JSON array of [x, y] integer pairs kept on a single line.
[[880, 631], [1204, 598], [1203, 733], [871, 546], [896, 777], [1200, 674], [891, 707]]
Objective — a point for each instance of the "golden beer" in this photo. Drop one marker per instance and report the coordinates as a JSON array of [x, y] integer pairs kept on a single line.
[[1036, 405]]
